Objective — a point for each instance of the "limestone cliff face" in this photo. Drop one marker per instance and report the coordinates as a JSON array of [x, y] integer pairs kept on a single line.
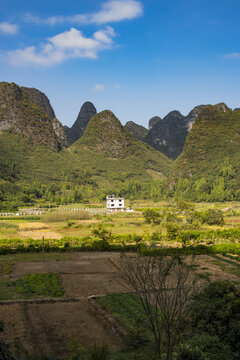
[[137, 130], [168, 135], [86, 112], [191, 117], [153, 121], [28, 112], [39, 99]]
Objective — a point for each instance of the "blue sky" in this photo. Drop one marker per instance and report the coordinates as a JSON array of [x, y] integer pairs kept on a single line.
[[136, 58]]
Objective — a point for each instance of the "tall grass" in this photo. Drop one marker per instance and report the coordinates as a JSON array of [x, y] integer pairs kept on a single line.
[[8, 228], [58, 216]]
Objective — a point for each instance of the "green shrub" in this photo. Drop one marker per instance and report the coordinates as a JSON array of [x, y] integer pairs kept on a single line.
[[136, 337], [70, 223], [186, 352], [211, 346], [100, 245], [101, 233], [212, 217], [99, 352], [172, 231]]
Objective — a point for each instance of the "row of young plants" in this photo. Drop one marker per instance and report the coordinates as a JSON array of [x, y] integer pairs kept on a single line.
[[95, 245], [104, 245], [210, 236], [31, 217], [185, 237]]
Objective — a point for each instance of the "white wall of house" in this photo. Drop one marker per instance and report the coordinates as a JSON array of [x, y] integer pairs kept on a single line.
[[114, 204]]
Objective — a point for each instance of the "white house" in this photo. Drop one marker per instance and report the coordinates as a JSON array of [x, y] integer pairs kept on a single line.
[[114, 204]]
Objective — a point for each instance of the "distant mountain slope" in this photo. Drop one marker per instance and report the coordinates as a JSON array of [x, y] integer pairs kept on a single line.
[[168, 135], [153, 121], [86, 112], [210, 161], [28, 112], [137, 130], [105, 135], [191, 117], [104, 155]]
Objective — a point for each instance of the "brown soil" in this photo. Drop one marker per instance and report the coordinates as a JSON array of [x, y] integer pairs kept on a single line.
[[49, 327], [217, 273]]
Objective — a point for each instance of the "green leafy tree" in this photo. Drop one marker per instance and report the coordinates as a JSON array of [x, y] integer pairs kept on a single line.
[[152, 216], [172, 231], [212, 217], [183, 205], [216, 311]]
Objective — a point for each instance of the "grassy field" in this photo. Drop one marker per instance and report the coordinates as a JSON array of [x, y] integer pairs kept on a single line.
[[55, 229], [64, 222]]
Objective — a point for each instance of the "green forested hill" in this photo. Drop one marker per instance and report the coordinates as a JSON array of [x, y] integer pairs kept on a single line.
[[28, 112], [36, 164], [209, 167], [104, 152], [106, 138], [106, 159]]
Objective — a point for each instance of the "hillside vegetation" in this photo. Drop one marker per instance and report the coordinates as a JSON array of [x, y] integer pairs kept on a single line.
[[28, 112], [37, 166], [209, 167], [107, 158]]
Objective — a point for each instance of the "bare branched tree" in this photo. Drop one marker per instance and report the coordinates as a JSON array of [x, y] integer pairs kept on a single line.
[[164, 285]]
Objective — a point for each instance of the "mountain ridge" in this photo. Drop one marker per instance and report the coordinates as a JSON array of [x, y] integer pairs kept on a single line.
[[137, 130], [209, 164], [86, 112], [106, 135], [27, 111], [168, 135]]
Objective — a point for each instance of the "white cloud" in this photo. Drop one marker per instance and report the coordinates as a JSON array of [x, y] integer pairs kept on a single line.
[[54, 20], [234, 55], [7, 28], [99, 87], [111, 11], [67, 45], [117, 86], [117, 10]]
